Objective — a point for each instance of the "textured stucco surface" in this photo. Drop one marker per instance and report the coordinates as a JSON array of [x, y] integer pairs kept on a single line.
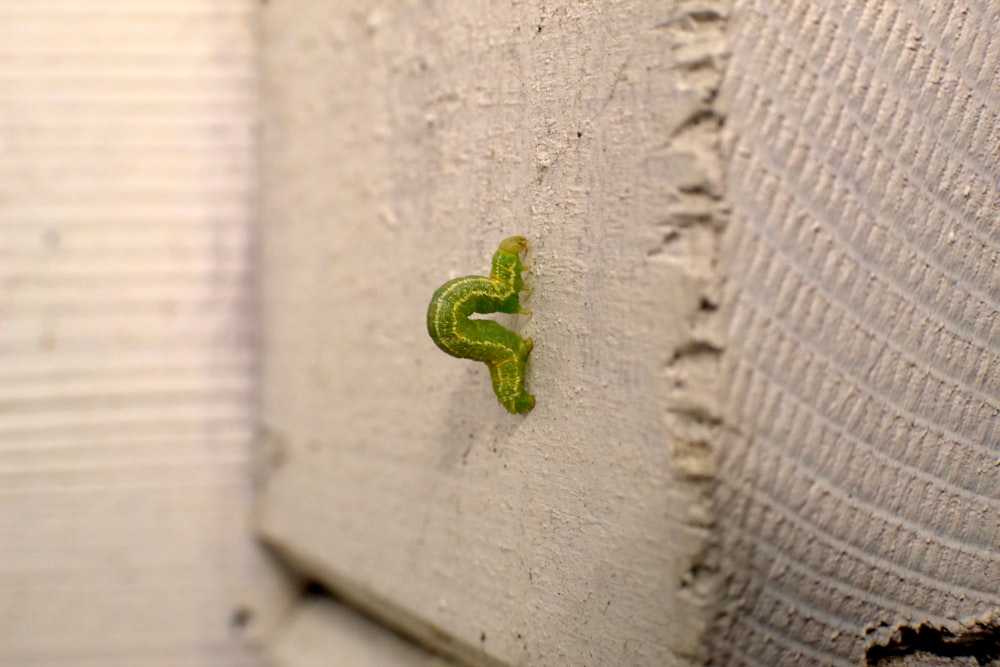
[[403, 141], [861, 492]]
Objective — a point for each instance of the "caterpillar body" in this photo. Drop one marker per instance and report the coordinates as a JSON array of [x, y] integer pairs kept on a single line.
[[503, 351]]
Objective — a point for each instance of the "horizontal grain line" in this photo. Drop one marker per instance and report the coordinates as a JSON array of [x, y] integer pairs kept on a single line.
[[212, 391], [844, 587], [196, 429], [822, 160], [238, 479], [199, 121], [62, 422], [855, 380], [759, 306], [889, 462], [834, 544], [781, 29], [984, 550], [835, 300], [850, 252], [106, 465], [778, 636], [103, 342], [47, 371], [131, 442]]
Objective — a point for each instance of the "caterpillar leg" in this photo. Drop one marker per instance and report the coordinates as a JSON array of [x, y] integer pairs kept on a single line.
[[508, 382], [523, 403]]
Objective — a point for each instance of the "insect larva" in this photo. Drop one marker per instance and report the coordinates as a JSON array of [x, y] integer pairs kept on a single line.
[[502, 350]]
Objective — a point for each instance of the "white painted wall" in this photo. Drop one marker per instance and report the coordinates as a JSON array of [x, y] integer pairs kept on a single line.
[[126, 343], [403, 142]]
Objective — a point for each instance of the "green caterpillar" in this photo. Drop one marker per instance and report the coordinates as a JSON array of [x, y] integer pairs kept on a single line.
[[503, 351]]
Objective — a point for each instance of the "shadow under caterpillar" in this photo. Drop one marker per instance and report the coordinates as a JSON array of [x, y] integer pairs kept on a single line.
[[503, 351]]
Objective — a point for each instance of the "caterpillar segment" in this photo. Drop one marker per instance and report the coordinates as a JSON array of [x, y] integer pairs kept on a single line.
[[504, 352]]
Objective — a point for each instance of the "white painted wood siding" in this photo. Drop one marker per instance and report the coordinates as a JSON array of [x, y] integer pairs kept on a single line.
[[403, 142], [126, 338]]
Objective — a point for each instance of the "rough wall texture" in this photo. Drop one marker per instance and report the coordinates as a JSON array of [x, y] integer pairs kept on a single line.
[[126, 365], [403, 141], [862, 490]]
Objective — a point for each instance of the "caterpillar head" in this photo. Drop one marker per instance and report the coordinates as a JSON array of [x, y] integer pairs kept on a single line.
[[514, 244]]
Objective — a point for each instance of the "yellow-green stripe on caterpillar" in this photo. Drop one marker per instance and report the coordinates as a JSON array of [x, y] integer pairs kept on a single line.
[[502, 350]]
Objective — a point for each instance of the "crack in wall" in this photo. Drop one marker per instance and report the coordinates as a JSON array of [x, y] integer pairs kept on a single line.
[[976, 643]]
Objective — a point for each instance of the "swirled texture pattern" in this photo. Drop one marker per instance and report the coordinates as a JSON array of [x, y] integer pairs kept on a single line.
[[503, 351], [859, 495]]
